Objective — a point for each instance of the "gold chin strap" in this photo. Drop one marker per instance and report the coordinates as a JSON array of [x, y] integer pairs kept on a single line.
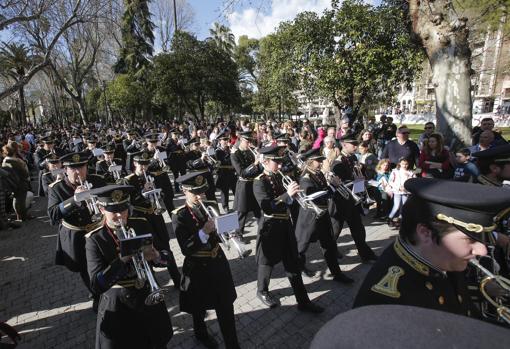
[[501, 215], [471, 227]]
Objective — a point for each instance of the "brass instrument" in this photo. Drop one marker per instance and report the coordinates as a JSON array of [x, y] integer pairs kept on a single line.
[[503, 311], [301, 198], [357, 174], [90, 201], [153, 194], [341, 188], [230, 238], [143, 270], [115, 169], [161, 157]]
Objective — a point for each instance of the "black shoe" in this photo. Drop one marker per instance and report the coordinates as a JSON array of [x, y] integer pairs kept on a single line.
[[343, 279], [310, 307], [268, 299], [207, 340], [307, 272]]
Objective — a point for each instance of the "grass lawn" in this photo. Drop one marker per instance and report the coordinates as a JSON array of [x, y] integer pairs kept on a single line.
[[417, 130]]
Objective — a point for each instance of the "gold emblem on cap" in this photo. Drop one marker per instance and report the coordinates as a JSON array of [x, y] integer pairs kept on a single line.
[[76, 158], [199, 180], [145, 155], [117, 195]]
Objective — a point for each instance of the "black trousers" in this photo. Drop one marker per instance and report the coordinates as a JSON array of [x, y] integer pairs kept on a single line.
[[224, 192], [350, 213], [226, 319], [242, 219], [329, 250], [296, 282]]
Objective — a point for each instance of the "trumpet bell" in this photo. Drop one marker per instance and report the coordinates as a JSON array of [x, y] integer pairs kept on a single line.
[[156, 296]]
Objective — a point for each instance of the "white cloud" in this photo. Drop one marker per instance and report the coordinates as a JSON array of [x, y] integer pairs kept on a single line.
[[256, 24]]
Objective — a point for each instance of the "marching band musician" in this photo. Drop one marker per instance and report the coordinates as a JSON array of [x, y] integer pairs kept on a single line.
[[276, 241], [103, 166], [494, 165], [442, 229], [48, 146], [52, 162], [143, 207], [247, 168], [73, 218], [91, 146], [176, 157], [341, 209], [207, 281], [227, 178], [310, 227], [195, 162], [123, 319]]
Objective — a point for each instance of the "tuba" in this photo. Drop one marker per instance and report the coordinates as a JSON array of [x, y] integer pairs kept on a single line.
[[143, 271], [502, 310], [230, 239]]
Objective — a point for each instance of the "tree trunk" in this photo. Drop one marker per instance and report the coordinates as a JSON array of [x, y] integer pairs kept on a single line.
[[81, 109], [444, 37], [22, 108]]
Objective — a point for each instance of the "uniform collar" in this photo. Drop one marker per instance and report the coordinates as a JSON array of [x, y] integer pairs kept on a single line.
[[417, 262], [488, 181]]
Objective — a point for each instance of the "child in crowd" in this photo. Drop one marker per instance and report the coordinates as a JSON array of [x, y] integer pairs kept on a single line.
[[465, 170], [397, 179], [367, 159], [383, 194]]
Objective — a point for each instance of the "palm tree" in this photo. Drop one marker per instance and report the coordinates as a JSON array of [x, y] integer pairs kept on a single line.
[[223, 37], [15, 60]]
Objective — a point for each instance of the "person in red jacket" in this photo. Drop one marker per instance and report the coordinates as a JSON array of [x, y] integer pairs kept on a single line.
[[434, 158]]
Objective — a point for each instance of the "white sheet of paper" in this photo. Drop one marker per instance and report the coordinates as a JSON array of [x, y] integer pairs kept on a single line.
[[113, 168], [77, 141], [358, 186], [373, 183], [162, 155], [97, 152], [227, 223]]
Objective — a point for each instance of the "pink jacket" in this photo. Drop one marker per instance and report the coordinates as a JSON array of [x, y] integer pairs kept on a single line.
[[321, 134]]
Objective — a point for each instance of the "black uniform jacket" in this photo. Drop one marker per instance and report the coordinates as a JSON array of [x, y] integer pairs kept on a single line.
[[123, 320], [309, 225], [73, 220], [226, 172], [207, 280], [103, 169], [275, 241], [400, 277], [244, 200], [176, 155]]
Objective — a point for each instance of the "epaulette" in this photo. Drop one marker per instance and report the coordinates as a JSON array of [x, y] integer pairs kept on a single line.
[[306, 175], [46, 173], [210, 202], [95, 230], [259, 177], [178, 209], [100, 161], [130, 175], [157, 173], [138, 218], [53, 183]]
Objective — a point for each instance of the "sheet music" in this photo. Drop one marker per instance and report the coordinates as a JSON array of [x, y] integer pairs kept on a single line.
[[358, 186], [227, 223]]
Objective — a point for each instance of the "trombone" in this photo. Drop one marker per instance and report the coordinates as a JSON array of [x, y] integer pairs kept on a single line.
[[300, 197], [153, 194], [503, 311], [230, 238], [143, 270]]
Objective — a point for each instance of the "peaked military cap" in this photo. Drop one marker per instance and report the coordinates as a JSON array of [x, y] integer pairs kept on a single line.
[[195, 182], [109, 149], [499, 153], [248, 135], [312, 154], [52, 158], [472, 208], [222, 135], [92, 139], [349, 138], [114, 198], [282, 137], [48, 140], [273, 152], [142, 157], [75, 159], [152, 137]]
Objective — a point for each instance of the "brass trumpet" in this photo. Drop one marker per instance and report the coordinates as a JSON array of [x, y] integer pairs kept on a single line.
[[503, 311], [90, 201], [301, 198], [230, 238], [153, 194], [340, 189], [143, 270]]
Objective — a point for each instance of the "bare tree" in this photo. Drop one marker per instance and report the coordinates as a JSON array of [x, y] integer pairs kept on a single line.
[[19, 11], [164, 18]]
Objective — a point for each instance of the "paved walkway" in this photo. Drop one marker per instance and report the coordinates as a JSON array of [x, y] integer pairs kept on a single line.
[[48, 305]]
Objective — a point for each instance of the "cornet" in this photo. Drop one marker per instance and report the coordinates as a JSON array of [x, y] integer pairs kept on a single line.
[[153, 194], [90, 201], [503, 311], [115, 169], [340, 189], [143, 270], [301, 198], [230, 238]]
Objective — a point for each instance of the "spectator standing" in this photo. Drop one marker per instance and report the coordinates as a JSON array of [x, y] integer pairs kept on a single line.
[[19, 169], [330, 152], [384, 195], [398, 177], [401, 147], [465, 170], [367, 159], [487, 124], [367, 136], [428, 129], [485, 141], [434, 159]]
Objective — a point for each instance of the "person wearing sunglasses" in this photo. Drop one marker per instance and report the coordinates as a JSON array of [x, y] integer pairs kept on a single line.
[[401, 147]]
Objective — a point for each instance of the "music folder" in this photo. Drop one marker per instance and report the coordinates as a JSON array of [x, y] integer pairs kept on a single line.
[[133, 245], [114, 168], [97, 152], [227, 223]]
